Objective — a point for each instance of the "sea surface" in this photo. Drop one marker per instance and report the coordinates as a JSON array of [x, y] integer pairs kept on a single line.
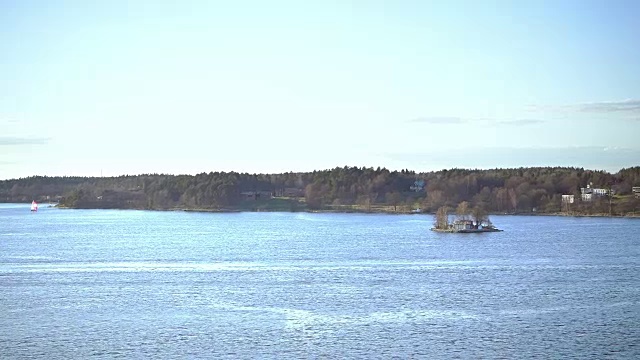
[[85, 284]]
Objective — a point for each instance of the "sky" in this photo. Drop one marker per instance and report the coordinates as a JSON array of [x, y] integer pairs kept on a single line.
[[105, 88]]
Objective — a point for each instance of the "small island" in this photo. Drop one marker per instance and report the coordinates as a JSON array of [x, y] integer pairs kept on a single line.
[[467, 221]]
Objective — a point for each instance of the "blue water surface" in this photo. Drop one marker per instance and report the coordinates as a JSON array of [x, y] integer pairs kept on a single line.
[[143, 284]]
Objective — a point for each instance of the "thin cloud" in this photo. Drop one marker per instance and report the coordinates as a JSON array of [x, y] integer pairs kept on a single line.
[[487, 121], [15, 140], [9, 119], [629, 105], [520, 122], [439, 120], [590, 157]]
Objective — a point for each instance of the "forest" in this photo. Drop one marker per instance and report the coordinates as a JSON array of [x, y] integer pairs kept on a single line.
[[510, 191]]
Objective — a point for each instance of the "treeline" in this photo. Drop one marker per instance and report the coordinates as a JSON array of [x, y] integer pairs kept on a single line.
[[522, 190]]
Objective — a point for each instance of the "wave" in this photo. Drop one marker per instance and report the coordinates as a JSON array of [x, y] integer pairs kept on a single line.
[[310, 321]]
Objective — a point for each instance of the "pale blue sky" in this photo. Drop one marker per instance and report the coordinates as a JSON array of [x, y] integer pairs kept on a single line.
[[128, 87]]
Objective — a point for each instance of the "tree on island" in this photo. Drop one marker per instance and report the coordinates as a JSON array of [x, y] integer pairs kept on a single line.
[[479, 215], [442, 218], [462, 211]]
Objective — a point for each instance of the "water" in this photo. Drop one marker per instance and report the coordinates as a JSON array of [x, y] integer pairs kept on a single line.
[[141, 284]]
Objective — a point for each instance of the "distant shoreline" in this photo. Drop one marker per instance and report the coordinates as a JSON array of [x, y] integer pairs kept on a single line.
[[538, 191], [350, 211]]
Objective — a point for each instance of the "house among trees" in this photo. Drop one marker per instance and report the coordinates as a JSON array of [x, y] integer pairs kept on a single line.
[[636, 191], [293, 192], [589, 193], [463, 225], [256, 195], [568, 199], [417, 186]]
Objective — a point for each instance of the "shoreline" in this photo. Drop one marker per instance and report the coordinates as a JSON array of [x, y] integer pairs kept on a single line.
[[355, 211]]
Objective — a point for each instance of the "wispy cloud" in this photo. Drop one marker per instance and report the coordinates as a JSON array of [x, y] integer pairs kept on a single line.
[[629, 105], [520, 122], [439, 120], [590, 157], [453, 120], [8, 119], [16, 140]]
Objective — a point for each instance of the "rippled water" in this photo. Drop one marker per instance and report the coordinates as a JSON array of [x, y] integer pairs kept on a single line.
[[142, 284]]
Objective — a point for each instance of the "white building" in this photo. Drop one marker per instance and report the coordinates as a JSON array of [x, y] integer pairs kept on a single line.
[[600, 192], [589, 193], [568, 199], [417, 186]]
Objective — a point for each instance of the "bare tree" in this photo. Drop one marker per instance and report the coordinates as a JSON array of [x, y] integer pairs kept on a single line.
[[394, 198], [480, 215], [513, 199], [463, 211], [442, 218]]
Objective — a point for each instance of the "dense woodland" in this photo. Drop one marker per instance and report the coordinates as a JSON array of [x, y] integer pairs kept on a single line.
[[522, 190]]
